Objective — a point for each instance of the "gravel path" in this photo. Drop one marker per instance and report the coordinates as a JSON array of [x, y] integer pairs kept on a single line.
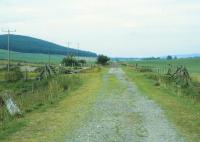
[[121, 114]]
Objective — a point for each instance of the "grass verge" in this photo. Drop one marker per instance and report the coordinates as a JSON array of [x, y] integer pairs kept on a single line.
[[52, 122], [183, 111]]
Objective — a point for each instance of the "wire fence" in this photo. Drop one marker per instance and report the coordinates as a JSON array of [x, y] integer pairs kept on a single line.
[[159, 68]]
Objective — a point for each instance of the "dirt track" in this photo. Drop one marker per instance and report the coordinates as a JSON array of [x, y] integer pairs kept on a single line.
[[122, 114]]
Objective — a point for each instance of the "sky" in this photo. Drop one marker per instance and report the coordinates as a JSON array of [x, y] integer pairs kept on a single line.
[[117, 28]]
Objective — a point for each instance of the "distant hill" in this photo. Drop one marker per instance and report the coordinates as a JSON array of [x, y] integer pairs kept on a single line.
[[37, 58], [27, 44]]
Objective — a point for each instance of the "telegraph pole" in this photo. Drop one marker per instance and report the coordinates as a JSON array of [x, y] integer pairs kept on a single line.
[[49, 56], [78, 46], [8, 32], [68, 45]]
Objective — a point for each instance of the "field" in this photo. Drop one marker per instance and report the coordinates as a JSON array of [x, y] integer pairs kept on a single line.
[[36, 58], [29, 57], [192, 64]]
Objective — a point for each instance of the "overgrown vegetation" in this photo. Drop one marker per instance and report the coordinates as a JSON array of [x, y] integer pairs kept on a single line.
[[30, 94], [34, 94], [71, 111], [175, 77], [72, 61], [13, 75]]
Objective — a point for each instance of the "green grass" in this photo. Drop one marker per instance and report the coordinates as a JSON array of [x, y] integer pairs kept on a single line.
[[193, 64], [71, 111], [30, 57], [37, 58], [183, 111], [46, 93], [2, 75]]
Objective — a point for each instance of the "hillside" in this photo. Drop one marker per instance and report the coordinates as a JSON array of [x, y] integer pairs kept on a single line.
[[27, 44], [36, 57]]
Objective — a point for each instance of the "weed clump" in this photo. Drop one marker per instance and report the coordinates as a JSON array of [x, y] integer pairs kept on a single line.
[[157, 83], [144, 70], [14, 75]]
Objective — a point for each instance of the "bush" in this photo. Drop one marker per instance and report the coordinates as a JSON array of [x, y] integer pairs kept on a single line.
[[70, 61], [14, 75], [82, 62], [103, 60], [169, 57]]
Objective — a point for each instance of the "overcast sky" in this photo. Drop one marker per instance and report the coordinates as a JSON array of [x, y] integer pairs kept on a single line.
[[123, 28]]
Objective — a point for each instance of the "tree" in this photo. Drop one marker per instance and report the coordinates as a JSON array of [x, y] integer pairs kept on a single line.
[[169, 57], [82, 62], [70, 61], [102, 59]]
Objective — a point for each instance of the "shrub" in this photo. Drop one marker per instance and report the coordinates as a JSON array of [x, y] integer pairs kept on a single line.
[[70, 61], [103, 60], [169, 57], [82, 62]]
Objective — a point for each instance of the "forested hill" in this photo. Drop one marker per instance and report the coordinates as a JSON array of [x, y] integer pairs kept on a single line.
[[27, 44]]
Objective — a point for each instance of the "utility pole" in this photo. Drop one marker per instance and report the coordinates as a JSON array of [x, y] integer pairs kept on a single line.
[[78, 46], [8, 32], [68, 45], [49, 56]]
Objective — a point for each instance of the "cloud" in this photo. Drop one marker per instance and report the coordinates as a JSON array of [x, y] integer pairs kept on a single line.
[[117, 28]]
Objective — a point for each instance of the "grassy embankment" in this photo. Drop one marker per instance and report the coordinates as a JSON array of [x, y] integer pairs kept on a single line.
[[183, 111], [54, 110]]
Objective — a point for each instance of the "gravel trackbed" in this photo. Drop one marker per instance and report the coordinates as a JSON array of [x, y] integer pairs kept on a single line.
[[122, 114]]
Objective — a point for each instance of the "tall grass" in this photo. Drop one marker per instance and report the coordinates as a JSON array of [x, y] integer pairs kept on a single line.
[[38, 93], [173, 81]]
